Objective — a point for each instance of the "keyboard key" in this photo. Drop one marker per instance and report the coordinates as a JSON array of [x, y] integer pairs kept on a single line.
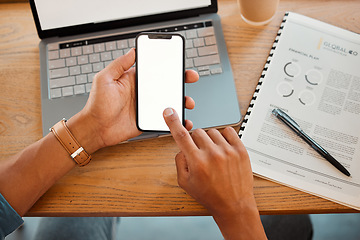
[[210, 40], [60, 72], [189, 63], [67, 91], [209, 50], [58, 63], [55, 93], [80, 79], [100, 47], [62, 82], [199, 42], [84, 59], [107, 63], [79, 89], [105, 56], [53, 46], [88, 87], [191, 34], [131, 42], [216, 70], [86, 68], [207, 60], [53, 55], [94, 58], [126, 50], [181, 33], [64, 53], [116, 54], [76, 51], [74, 70], [203, 68], [189, 43], [88, 49], [205, 32], [90, 77], [97, 67], [71, 61], [204, 73], [121, 44], [109, 46], [190, 53]]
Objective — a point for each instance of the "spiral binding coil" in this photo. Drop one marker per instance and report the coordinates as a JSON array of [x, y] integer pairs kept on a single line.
[[257, 90]]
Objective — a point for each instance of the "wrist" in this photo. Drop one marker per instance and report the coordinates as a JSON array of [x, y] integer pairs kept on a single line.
[[242, 221], [245, 207], [84, 130]]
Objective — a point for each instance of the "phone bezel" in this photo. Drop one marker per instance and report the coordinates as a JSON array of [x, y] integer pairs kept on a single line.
[[153, 35]]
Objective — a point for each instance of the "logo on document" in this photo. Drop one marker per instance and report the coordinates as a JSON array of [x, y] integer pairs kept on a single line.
[[336, 48]]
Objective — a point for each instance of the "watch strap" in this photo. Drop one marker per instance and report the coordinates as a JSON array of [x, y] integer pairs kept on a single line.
[[69, 142]]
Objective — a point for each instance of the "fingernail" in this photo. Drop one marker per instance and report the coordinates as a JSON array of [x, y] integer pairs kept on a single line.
[[168, 112]]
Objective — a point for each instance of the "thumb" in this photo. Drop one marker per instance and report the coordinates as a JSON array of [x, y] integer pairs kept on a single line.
[[117, 67]]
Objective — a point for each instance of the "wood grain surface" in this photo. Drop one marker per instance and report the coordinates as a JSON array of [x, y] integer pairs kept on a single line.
[[139, 178]]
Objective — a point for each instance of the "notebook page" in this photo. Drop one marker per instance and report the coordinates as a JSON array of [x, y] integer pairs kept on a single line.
[[314, 76]]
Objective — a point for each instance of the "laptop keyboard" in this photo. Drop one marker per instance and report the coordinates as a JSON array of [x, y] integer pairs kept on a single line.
[[73, 65]]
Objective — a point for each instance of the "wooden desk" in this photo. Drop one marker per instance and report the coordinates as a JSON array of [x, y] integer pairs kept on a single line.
[[139, 179]]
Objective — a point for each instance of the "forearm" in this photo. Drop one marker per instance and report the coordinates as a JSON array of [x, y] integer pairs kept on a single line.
[[30, 173], [107, 119], [25, 177], [244, 223]]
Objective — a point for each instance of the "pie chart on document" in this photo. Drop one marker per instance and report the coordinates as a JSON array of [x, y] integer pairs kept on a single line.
[[285, 89], [313, 77], [292, 69], [306, 97]]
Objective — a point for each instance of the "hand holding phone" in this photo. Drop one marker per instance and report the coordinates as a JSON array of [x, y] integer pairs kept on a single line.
[[160, 74]]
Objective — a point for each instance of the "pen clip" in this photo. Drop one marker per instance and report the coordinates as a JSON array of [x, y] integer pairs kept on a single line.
[[286, 119]]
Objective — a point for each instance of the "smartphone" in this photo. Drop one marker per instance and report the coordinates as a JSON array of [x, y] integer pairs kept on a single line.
[[160, 79]]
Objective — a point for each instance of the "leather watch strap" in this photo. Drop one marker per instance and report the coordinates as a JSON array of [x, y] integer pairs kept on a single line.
[[71, 145]]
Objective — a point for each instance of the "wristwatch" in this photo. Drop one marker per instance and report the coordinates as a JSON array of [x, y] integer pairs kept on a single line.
[[69, 142]]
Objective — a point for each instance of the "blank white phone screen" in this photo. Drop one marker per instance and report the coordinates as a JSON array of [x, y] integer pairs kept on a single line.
[[160, 73]]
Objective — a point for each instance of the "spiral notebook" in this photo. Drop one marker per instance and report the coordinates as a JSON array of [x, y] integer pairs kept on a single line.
[[313, 74]]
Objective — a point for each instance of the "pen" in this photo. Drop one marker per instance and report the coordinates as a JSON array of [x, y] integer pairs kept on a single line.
[[296, 128]]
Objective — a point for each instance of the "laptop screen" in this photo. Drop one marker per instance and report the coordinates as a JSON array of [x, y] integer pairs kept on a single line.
[[55, 14], [68, 17]]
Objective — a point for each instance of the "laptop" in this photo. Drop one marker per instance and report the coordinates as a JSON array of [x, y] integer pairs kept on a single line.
[[79, 38]]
